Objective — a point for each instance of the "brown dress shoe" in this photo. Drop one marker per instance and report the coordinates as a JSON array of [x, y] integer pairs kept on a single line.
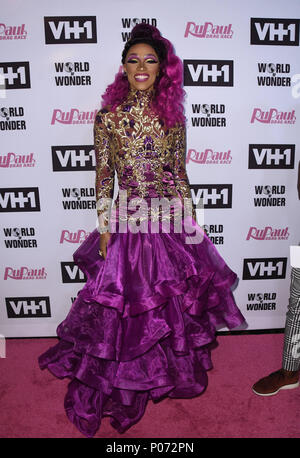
[[279, 380]]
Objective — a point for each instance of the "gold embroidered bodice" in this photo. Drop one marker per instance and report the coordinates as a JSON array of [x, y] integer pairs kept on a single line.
[[149, 158]]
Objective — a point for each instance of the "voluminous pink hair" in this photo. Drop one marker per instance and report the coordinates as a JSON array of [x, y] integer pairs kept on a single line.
[[168, 98]]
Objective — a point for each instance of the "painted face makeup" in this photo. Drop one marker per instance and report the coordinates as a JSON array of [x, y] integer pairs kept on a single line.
[[141, 66]]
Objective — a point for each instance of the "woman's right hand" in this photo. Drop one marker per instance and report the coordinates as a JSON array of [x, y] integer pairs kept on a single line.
[[104, 238]]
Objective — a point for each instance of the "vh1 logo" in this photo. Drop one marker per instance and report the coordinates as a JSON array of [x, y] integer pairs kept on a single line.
[[264, 268], [19, 199], [73, 157], [271, 156], [71, 273], [70, 29], [274, 31], [208, 72], [28, 307]]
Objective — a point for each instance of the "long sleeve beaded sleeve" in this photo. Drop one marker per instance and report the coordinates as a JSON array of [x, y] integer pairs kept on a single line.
[[180, 175], [105, 172]]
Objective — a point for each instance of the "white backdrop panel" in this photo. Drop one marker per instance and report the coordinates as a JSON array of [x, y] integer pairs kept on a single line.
[[38, 277]]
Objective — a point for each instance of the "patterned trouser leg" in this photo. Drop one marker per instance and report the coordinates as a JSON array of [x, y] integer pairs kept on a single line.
[[291, 349]]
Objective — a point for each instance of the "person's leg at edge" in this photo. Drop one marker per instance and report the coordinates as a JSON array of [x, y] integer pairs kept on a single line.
[[288, 376]]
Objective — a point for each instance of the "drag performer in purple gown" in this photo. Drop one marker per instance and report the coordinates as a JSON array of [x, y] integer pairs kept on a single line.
[[143, 325]]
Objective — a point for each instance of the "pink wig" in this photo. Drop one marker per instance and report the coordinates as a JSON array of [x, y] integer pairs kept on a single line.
[[167, 102]]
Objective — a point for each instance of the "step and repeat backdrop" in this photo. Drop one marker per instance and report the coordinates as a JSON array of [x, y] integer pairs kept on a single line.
[[242, 83]]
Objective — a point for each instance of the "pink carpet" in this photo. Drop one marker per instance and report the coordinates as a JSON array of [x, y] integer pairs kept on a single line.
[[31, 400]]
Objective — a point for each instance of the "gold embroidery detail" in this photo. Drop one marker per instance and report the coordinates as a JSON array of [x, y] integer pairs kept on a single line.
[[148, 157]]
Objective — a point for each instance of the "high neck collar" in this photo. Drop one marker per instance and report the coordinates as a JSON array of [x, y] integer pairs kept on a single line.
[[142, 98]]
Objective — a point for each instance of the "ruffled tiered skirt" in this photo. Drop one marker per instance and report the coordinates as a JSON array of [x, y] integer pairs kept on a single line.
[[142, 327]]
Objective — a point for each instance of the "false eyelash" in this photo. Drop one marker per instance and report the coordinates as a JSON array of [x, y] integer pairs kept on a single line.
[[134, 61]]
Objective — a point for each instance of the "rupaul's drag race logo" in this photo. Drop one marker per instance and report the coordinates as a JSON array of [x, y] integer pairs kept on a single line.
[[12, 32], [25, 273], [273, 116], [209, 156], [17, 160], [73, 237], [208, 30], [268, 233], [74, 116]]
